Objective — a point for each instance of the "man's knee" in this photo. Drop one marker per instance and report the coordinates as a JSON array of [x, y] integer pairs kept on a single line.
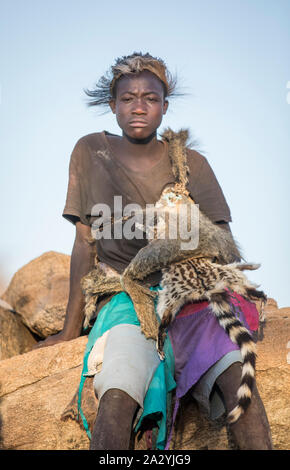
[[115, 399], [229, 382]]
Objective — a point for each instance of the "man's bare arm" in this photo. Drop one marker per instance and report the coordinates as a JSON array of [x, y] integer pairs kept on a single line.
[[82, 261]]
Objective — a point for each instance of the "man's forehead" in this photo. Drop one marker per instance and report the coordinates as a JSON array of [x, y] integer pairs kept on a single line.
[[143, 82]]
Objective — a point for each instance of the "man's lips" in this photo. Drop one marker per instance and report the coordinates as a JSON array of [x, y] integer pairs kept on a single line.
[[138, 123]]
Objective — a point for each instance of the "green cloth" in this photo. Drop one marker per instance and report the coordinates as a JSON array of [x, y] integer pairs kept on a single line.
[[119, 310]]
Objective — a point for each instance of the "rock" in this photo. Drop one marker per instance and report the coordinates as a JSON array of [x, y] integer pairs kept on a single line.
[[272, 351], [39, 291], [274, 375], [50, 377], [271, 303], [5, 305], [43, 382], [271, 306], [15, 338]]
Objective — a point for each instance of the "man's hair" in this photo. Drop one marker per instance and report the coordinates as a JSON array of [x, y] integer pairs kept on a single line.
[[105, 88]]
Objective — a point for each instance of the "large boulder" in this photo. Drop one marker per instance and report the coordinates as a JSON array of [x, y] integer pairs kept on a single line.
[[15, 338], [35, 389], [44, 382], [39, 291]]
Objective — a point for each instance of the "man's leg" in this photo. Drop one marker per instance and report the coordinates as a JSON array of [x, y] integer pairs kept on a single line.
[[129, 363], [113, 425], [252, 430]]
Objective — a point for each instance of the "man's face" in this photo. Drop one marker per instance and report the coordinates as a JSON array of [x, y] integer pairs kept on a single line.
[[139, 104]]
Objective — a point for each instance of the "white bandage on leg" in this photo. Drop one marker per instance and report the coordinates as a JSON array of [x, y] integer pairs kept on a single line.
[[129, 362]]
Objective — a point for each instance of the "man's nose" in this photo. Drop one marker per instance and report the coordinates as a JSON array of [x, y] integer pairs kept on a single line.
[[139, 107]]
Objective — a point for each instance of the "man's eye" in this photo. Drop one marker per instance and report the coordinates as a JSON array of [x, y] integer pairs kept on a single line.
[[126, 99], [152, 99]]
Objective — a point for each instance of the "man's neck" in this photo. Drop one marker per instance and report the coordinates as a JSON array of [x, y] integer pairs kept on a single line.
[[143, 148], [139, 155]]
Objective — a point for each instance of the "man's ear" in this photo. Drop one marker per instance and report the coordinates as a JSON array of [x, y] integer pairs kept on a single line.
[[165, 106], [112, 104]]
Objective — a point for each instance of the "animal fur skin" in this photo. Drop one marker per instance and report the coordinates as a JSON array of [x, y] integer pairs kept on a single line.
[[206, 272]]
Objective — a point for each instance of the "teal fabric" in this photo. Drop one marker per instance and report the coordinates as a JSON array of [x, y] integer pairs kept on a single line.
[[119, 310]]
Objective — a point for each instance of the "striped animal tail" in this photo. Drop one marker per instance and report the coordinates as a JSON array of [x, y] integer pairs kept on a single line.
[[220, 305]]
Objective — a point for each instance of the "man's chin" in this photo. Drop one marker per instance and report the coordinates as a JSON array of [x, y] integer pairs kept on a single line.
[[139, 135]]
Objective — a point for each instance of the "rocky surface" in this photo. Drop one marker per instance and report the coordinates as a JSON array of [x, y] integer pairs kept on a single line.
[[38, 408], [35, 389], [45, 381]]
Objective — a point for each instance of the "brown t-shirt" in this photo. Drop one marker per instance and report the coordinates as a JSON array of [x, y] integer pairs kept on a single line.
[[96, 176]]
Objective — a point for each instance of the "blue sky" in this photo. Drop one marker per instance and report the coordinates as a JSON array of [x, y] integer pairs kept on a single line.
[[231, 57]]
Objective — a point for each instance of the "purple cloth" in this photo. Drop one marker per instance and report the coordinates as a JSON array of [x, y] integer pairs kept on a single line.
[[198, 342]]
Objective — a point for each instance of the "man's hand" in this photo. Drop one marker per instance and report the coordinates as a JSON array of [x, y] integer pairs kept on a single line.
[[52, 340], [82, 261]]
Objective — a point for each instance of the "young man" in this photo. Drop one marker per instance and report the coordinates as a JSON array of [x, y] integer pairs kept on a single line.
[[136, 166]]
